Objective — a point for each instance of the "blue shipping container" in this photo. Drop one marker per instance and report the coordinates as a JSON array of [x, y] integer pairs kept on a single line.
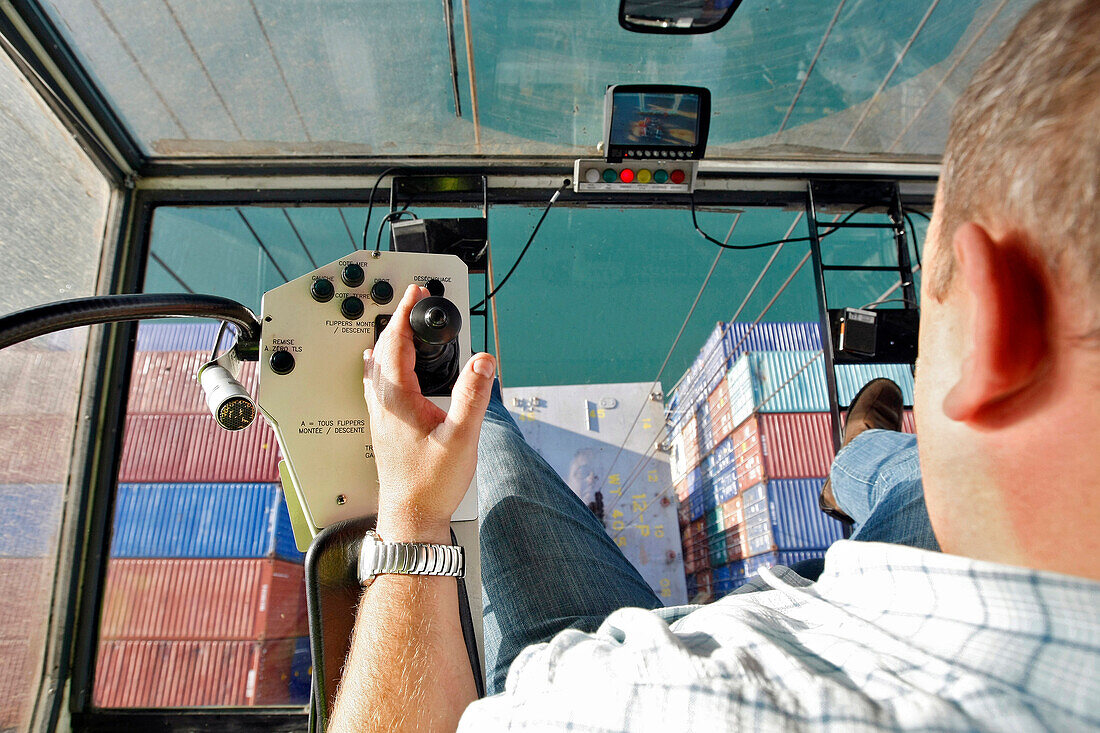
[[300, 667], [725, 485], [793, 520], [723, 455], [778, 336], [182, 335], [202, 520], [30, 517], [731, 577], [850, 378], [771, 559]]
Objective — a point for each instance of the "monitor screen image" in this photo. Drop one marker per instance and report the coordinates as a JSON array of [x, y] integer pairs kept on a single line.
[[654, 119]]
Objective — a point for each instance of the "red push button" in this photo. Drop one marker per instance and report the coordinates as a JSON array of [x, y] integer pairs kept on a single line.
[[677, 176], [626, 175]]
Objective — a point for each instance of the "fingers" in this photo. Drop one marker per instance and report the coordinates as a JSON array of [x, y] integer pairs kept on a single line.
[[394, 351], [469, 398]]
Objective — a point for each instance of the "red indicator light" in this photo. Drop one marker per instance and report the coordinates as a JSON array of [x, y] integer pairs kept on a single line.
[[677, 176], [626, 175]]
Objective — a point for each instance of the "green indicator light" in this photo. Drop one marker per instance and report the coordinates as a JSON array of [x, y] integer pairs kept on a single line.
[[660, 176], [610, 176]]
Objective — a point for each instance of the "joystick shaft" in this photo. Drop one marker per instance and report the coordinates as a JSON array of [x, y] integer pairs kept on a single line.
[[436, 323]]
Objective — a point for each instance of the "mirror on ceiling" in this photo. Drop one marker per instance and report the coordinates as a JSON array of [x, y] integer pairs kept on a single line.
[[675, 16]]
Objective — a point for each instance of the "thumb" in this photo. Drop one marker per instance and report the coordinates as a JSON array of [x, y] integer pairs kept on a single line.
[[469, 398]]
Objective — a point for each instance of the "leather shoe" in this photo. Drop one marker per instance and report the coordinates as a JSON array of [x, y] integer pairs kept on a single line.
[[877, 406]]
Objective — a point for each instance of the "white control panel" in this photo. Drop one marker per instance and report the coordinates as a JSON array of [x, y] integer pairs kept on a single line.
[[315, 329], [659, 175]]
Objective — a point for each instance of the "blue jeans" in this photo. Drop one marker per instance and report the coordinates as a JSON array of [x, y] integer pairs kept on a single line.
[[876, 481], [547, 563]]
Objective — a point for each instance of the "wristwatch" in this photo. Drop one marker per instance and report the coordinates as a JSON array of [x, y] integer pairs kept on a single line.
[[377, 557]]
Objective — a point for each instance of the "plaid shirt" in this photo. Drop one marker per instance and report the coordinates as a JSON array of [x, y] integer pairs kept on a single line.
[[889, 638]]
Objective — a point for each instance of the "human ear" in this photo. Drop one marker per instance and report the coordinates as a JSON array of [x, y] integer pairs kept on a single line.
[[1006, 324]]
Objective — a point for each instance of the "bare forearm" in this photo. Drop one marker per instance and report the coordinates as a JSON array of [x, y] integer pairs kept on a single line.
[[408, 669]]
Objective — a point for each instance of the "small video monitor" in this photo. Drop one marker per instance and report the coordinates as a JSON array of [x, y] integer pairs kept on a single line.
[[662, 121]]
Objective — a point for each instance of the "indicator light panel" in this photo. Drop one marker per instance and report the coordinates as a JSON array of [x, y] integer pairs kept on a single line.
[[636, 176]]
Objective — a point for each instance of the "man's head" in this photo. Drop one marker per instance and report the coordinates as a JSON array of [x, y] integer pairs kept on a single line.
[[1008, 387]]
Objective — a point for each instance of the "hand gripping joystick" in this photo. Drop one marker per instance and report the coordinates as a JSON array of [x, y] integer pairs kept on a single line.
[[436, 323]]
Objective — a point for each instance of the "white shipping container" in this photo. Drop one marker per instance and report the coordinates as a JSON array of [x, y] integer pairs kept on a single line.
[[579, 430]]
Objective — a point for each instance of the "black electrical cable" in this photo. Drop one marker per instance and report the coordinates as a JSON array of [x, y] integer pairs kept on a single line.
[[527, 246], [892, 300], [370, 200], [390, 217], [774, 242], [913, 228], [218, 340], [40, 320], [920, 213]]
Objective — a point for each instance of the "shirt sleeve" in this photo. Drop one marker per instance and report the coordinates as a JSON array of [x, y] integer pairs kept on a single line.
[[622, 677]]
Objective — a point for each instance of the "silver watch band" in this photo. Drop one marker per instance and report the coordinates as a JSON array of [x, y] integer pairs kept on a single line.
[[377, 557]]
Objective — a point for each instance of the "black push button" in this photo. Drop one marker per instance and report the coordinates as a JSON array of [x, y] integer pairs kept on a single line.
[[352, 308], [435, 288], [282, 362], [353, 275], [381, 292], [322, 290]]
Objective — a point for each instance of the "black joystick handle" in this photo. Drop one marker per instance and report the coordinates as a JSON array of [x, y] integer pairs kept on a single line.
[[436, 323]]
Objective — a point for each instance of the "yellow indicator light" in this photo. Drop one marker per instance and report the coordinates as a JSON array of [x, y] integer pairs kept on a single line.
[[644, 176]]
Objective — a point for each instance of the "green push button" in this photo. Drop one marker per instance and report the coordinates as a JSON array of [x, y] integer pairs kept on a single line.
[[660, 176], [610, 176]]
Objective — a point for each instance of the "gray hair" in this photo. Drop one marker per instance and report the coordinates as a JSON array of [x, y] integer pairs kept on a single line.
[[1024, 147]]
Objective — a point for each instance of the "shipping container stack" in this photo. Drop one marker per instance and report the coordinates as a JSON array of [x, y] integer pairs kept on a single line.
[[204, 600], [39, 388], [751, 446]]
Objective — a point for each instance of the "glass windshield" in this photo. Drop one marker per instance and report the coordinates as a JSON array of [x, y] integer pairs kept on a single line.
[[789, 78]]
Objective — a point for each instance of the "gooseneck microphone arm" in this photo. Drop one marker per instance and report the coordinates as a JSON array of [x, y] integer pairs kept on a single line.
[[43, 319]]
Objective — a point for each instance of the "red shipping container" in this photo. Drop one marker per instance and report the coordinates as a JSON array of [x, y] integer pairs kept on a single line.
[[683, 512], [719, 399], [18, 683], [24, 597], [689, 556], [735, 542], [173, 674], [746, 438], [796, 444], [723, 425], [194, 449], [731, 513], [908, 422], [681, 489], [36, 449], [699, 528], [787, 445], [750, 470], [696, 553], [203, 599], [705, 585], [721, 418], [37, 382], [163, 382]]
